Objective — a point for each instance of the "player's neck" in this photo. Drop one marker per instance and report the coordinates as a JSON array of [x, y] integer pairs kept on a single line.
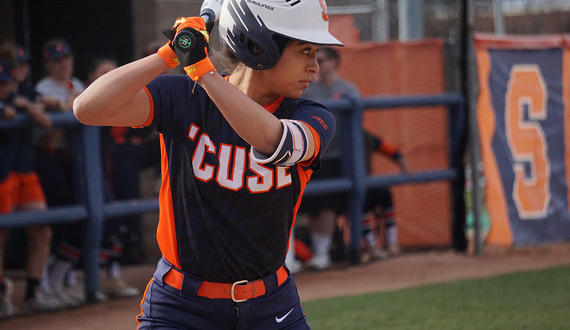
[[250, 83]]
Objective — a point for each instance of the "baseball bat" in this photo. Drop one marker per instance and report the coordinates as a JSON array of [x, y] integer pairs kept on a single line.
[[210, 12]]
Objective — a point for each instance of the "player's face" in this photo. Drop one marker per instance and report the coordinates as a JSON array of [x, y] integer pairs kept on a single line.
[[327, 66], [102, 69], [5, 89], [294, 71], [62, 68], [21, 72]]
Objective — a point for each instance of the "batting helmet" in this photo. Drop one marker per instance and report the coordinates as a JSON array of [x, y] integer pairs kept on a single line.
[[254, 30]]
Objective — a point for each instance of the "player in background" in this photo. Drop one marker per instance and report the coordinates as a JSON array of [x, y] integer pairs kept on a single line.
[[237, 152], [323, 209], [20, 188], [53, 163], [379, 219], [21, 74], [112, 284], [128, 151]]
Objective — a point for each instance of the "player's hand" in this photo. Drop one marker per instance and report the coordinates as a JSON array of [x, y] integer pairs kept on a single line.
[[189, 38], [168, 52], [34, 110], [50, 103], [21, 102], [7, 112]]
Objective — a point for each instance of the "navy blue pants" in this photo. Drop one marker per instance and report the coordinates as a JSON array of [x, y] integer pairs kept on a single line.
[[165, 307]]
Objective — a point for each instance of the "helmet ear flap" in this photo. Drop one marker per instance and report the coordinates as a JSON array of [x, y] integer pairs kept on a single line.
[[251, 46], [257, 54]]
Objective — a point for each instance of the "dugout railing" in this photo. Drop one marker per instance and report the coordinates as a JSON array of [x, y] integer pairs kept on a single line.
[[88, 176]]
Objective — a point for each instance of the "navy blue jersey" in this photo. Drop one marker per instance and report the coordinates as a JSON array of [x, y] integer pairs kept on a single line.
[[9, 140], [223, 217], [28, 91], [16, 150]]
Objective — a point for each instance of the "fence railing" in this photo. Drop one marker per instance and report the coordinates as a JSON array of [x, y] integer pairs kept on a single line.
[[355, 180]]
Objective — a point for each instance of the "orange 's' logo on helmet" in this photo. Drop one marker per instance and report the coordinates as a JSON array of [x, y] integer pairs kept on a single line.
[[325, 10]]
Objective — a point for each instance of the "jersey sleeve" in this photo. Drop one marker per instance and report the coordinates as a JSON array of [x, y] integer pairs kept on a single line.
[[167, 95], [322, 124]]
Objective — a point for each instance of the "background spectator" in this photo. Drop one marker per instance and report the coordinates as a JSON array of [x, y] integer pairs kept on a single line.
[[115, 230], [379, 220], [20, 187], [323, 209], [54, 166]]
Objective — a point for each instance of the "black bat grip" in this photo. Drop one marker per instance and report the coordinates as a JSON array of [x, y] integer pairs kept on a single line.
[[185, 40]]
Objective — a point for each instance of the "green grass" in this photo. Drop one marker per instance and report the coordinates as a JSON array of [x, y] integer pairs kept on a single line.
[[526, 300]]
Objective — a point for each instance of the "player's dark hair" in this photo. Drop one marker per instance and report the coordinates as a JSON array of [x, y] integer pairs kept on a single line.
[[229, 60], [226, 59]]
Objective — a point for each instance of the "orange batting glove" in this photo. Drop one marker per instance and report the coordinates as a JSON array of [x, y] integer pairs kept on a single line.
[[189, 41]]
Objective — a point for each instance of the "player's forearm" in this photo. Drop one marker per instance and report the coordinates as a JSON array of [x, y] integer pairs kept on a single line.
[[34, 110], [250, 120], [38, 115], [110, 100]]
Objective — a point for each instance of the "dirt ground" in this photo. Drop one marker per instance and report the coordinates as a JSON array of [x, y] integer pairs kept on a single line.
[[407, 270]]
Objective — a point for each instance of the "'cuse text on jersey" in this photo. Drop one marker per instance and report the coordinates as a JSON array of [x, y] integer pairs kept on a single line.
[[263, 181]]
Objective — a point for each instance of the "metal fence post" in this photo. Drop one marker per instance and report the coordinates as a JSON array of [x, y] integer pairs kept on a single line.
[[94, 199], [458, 142], [358, 175], [473, 127]]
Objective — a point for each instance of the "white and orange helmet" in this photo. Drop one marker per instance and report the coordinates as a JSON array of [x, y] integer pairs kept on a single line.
[[267, 23]]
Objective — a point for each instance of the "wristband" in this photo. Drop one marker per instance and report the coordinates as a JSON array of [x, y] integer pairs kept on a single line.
[[198, 69], [168, 56]]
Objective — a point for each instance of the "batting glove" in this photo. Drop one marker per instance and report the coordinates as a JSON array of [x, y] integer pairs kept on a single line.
[[188, 40]]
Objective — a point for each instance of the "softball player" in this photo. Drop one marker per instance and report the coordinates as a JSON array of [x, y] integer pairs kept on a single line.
[[237, 152], [20, 190]]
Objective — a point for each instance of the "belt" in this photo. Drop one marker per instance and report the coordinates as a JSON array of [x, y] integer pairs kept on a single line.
[[238, 291]]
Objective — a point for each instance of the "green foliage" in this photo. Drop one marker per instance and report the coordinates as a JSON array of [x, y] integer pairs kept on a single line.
[[526, 300]]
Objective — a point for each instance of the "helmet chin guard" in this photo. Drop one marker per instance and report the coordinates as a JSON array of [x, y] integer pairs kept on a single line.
[[251, 29]]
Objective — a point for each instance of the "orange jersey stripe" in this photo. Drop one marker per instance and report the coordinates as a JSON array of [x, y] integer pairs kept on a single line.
[[274, 105], [166, 231], [304, 177], [142, 301], [151, 113], [317, 139]]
